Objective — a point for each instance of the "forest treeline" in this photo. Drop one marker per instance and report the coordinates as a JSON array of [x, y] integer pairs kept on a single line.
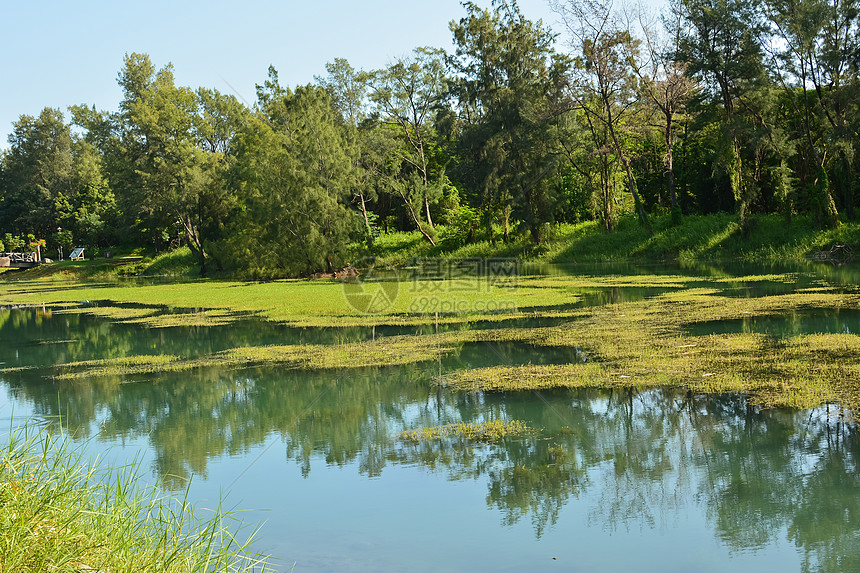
[[745, 106]]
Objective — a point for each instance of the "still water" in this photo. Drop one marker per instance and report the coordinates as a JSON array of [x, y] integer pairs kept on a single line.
[[607, 481]]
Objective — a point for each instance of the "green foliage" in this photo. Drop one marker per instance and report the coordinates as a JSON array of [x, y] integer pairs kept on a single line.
[[294, 170], [172, 180], [406, 95], [508, 84], [347, 89], [35, 244], [36, 172], [51, 178], [13, 242], [179, 263], [464, 227]]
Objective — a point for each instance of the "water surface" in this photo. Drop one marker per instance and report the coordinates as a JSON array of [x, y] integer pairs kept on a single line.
[[606, 481]]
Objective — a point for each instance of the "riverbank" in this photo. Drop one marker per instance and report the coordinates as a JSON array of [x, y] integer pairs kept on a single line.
[[698, 238], [694, 238]]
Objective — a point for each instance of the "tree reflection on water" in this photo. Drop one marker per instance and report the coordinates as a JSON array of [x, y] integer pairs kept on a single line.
[[642, 457]]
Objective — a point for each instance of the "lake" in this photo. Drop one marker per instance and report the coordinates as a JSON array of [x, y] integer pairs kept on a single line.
[[603, 480]]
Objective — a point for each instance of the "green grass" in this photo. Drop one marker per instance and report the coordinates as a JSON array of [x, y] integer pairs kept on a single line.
[[399, 248], [176, 264], [299, 302], [59, 513], [696, 238], [324, 302]]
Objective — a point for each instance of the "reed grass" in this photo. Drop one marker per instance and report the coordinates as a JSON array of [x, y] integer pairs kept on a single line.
[[61, 513]]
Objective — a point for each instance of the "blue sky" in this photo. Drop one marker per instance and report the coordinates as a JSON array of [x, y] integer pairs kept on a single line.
[[58, 54]]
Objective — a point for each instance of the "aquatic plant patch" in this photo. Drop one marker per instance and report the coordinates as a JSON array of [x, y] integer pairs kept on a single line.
[[489, 431], [640, 343]]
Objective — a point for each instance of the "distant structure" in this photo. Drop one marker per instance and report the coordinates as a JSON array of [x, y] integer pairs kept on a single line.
[[19, 260]]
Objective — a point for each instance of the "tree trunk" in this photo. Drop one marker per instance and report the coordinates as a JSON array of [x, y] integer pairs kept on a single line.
[[845, 179], [415, 218], [606, 195], [488, 222], [194, 243], [640, 208], [366, 220], [427, 206], [670, 171]]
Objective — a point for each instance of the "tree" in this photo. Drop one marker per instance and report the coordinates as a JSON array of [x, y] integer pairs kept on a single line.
[[603, 83], [347, 89], [90, 210], [666, 84], [508, 86], [587, 147], [51, 178], [720, 42], [175, 145], [813, 58], [406, 94], [293, 177], [37, 171], [157, 146]]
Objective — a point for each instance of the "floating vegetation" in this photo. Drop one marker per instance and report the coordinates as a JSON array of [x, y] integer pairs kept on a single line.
[[201, 318], [640, 343], [155, 317], [801, 372], [489, 431], [113, 313], [16, 369], [118, 366], [388, 351]]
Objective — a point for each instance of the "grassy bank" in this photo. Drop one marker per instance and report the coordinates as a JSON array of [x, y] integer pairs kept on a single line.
[[59, 513], [698, 237], [177, 264], [695, 238]]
